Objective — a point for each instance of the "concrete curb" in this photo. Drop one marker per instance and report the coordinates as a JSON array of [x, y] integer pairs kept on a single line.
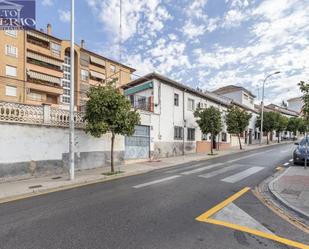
[[278, 197], [68, 187], [115, 177]]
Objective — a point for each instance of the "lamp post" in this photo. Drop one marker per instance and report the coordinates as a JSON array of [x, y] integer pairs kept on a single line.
[[262, 105], [71, 136]]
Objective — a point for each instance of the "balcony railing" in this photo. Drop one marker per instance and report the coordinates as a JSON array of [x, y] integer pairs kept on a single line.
[[145, 104]]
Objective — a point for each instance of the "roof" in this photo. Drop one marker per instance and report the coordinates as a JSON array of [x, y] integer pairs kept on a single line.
[[233, 88], [294, 99], [276, 108], [211, 96], [222, 100]]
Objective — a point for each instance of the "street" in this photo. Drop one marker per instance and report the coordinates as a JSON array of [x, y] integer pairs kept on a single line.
[[156, 209]]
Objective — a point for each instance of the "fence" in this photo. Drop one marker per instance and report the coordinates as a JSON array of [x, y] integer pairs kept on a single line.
[[44, 115]]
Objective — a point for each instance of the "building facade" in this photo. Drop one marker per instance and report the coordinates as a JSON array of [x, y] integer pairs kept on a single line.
[[35, 69], [168, 127], [245, 100], [295, 104]]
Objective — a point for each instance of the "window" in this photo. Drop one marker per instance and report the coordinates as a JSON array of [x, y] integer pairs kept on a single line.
[[176, 99], [246, 96], [191, 104], [223, 137], [10, 50], [178, 132], [84, 75], [12, 33], [11, 91], [10, 71], [55, 48], [35, 96], [204, 136], [113, 68], [191, 134], [251, 100]]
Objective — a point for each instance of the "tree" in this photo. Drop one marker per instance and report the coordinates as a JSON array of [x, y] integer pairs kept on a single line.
[[281, 124], [237, 121], [269, 123], [107, 110], [209, 121], [302, 125], [293, 125]]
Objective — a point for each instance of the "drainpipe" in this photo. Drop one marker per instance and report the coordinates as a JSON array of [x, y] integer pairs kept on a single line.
[[184, 122]]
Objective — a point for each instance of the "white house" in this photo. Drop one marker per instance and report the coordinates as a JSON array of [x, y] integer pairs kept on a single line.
[[295, 104], [244, 99], [168, 126]]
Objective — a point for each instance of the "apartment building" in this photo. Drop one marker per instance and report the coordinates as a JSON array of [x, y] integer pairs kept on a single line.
[[35, 68], [295, 104], [168, 127], [245, 99]]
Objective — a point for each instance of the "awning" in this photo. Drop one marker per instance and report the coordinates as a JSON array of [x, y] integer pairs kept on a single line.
[[97, 61], [39, 36], [44, 77], [44, 59], [139, 88], [97, 75]]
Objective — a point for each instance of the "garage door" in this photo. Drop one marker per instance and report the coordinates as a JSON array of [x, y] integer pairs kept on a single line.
[[138, 145]]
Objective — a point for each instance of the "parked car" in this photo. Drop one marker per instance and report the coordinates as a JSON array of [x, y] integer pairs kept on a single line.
[[299, 153]]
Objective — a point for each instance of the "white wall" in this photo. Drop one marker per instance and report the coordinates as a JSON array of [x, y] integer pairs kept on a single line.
[[22, 143]]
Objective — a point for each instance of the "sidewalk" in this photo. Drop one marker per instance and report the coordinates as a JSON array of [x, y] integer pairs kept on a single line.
[[20, 189], [292, 189]]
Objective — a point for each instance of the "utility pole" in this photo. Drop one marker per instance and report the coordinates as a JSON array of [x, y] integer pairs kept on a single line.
[[262, 105], [71, 136]]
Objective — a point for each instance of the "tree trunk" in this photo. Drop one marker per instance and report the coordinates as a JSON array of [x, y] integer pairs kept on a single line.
[[278, 137], [267, 137], [112, 152], [240, 147], [211, 144]]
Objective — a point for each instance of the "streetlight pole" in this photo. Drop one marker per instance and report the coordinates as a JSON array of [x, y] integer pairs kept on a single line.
[[262, 105], [71, 136]]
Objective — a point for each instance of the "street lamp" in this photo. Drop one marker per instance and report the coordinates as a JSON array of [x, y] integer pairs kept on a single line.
[[71, 121], [262, 105]]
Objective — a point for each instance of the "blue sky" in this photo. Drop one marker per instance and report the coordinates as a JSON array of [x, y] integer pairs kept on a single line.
[[201, 43]]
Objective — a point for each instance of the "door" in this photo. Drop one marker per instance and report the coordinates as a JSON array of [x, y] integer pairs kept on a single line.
[[138, 145]]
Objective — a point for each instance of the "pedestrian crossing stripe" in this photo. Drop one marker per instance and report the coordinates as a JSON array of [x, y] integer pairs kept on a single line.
[[207, 217]]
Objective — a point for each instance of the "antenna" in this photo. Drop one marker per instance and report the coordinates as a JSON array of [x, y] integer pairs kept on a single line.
[[120, 30]]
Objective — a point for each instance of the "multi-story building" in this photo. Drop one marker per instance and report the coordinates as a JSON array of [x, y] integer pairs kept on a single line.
[[168, 126], [245, 99], [35, 69], [295, 104]]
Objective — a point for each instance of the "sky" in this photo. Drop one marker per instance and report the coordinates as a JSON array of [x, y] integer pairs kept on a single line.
[[200, 43]]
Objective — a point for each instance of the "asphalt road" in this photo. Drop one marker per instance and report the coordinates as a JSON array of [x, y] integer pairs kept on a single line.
[[154, 210]]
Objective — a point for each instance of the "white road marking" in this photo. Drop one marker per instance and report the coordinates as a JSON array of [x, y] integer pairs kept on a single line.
[[241, 175], [244, 157], [221, 171], [291, 160], [284, 151], [186, 167], [201, 169], [156, 181], [286, 164]]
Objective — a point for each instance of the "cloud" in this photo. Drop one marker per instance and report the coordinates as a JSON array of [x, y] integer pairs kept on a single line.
[[192, 31], [138, 16], [47, 2], [64, 16]]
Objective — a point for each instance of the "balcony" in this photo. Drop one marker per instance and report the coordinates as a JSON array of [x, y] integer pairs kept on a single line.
[[143, 103], [44, 70], [44, 87]]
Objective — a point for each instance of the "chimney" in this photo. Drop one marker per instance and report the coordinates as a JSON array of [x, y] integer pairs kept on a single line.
[[49, 29], [82, 43]]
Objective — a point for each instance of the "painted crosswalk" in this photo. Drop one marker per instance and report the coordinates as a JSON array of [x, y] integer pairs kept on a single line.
[[242, 175], [222, 170]]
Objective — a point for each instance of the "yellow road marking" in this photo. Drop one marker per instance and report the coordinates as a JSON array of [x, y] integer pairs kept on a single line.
[[205, 218], [221, 205], [279, 168]]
